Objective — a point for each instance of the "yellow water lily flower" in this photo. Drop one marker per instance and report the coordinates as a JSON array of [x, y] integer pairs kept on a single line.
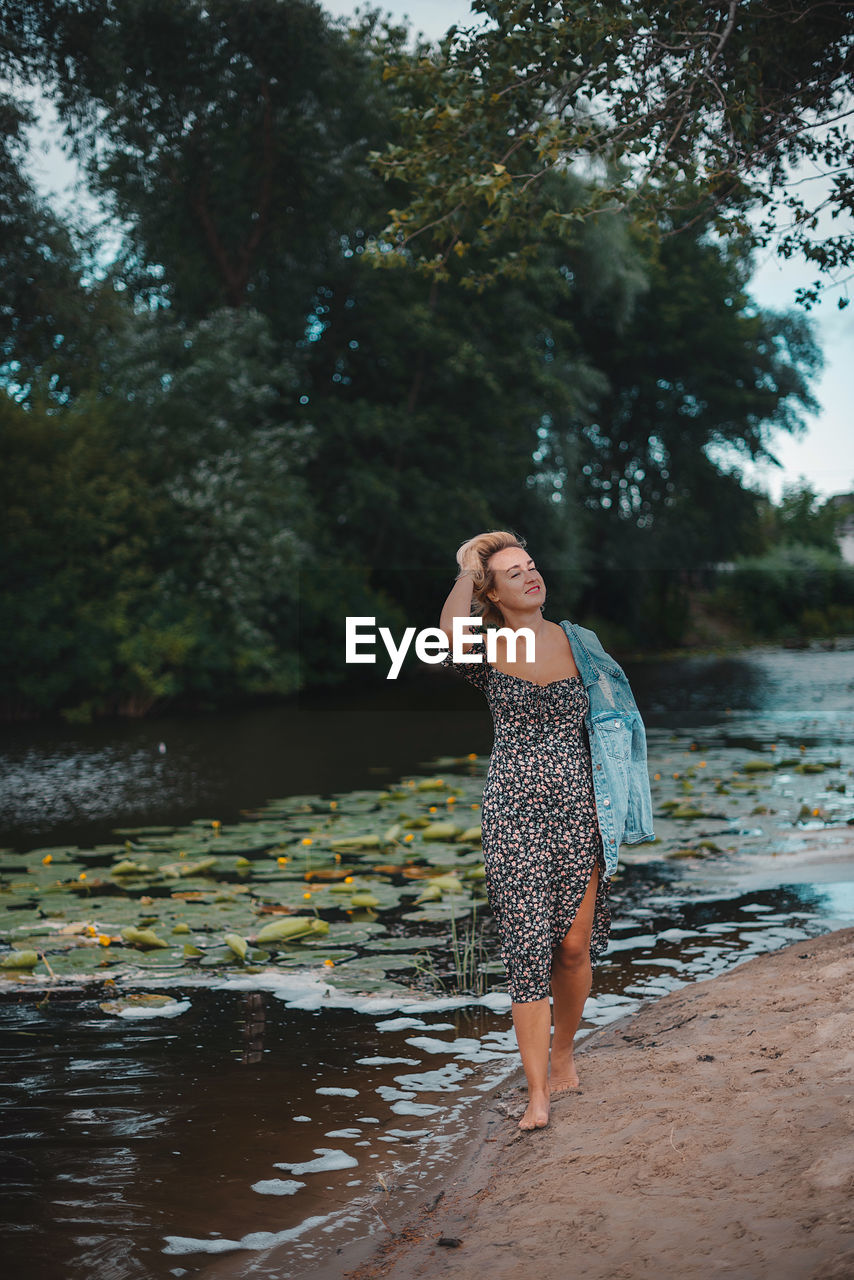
[[47, 859], [306, 840], [104, 939], [282, 861]]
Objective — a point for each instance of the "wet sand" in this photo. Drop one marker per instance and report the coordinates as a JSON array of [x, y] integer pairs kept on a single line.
[[713, 1134]]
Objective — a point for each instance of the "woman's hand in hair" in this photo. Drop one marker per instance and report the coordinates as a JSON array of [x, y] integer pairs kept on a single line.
[[469, 562]]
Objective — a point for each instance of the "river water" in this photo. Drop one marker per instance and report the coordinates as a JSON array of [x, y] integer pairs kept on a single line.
[[259, 1123]]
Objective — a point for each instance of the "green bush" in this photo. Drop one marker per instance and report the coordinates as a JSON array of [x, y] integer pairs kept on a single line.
[[792, 590]]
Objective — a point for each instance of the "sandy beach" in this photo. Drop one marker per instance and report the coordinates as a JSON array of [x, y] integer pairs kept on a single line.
[[713, 1134]]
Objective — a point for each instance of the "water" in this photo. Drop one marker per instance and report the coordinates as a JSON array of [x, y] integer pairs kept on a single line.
[[150, 1147]]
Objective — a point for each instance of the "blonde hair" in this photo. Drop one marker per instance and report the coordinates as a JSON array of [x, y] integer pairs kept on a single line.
[[474, 555]]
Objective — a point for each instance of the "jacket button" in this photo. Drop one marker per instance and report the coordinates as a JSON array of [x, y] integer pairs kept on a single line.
[[616, 724], [607, 801]]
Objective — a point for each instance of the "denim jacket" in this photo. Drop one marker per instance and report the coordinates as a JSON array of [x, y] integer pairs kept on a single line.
[[617, 747]]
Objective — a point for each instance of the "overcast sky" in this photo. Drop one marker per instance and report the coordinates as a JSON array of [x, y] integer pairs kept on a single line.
[[825, 455]]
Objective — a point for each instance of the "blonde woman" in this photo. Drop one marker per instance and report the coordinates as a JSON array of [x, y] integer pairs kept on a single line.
[[542, 847]]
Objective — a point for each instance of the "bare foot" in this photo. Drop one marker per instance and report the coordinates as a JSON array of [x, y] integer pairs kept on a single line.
[[562, 1072], [537, 1112]]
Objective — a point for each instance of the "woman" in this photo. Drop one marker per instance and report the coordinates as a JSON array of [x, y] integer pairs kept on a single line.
[[543, 853]]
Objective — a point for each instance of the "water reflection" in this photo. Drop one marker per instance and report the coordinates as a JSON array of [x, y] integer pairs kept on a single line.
[[254, 1026]]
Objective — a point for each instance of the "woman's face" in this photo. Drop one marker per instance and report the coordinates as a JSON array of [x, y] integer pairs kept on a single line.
[[519, 585]]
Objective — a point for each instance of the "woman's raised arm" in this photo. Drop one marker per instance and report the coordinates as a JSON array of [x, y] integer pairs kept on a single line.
[[457, 605]]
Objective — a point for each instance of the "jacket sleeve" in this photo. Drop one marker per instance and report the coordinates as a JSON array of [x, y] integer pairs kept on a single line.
[[639, 819]]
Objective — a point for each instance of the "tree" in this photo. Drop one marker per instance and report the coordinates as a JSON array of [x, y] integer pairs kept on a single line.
[[76, 523], [204, 411], [696, 379], [800, 517], [440, 411], [676, 109], [221, 137], [49, 320]]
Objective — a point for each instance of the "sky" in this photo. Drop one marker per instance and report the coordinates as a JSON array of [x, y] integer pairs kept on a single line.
[[823, 456]]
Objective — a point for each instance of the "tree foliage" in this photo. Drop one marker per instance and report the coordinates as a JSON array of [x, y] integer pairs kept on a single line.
[[221, 136], [675, 109]]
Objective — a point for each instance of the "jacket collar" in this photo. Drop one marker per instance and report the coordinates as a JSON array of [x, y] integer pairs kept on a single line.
[[587, 668]]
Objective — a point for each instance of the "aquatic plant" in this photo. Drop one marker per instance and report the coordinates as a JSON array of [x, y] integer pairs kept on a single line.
[[307, 882]]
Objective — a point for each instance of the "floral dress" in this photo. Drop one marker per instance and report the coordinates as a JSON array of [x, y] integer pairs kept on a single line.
[[540, 833]]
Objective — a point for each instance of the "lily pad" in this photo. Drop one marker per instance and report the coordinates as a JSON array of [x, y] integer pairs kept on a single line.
[[237, 944], [145, 939], [20, 960], [136, 1001], [290, 928]]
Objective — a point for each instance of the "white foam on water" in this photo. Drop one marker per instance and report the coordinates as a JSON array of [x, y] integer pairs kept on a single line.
[[278, 1186], [400, 1024], [443, 1080], [634, 941], [343, 1133], [430, 1044], [171, 1010], [386, 1062], [506, 1039], [388, 1092], [333, 1092], [307, 989], [328, 1158], [256, 1239], [407, 1108], [299, 989]]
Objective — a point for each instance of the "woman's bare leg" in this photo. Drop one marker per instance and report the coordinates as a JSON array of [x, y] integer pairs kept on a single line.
[[572, 979], [532, 1020]]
